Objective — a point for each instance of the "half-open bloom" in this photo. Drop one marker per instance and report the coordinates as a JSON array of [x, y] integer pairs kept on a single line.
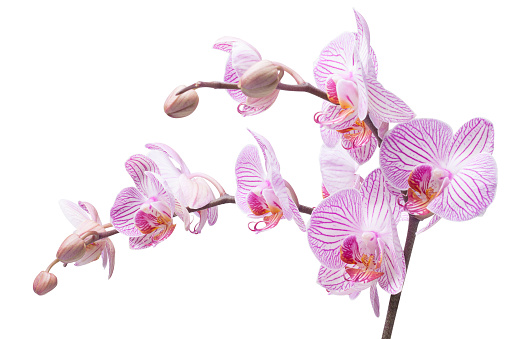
[[145, 213], [190, 189], [84, 217], [347, 70], [263, 194], [353, 234], [452, 176], [241, 57]]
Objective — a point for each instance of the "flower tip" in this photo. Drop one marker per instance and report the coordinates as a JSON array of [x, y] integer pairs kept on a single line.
[[72, 249], [261, 79], [44, 283], [182, 105]]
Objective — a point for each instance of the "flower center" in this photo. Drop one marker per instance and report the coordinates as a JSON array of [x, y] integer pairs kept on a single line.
[[426, 182], [362, 256]]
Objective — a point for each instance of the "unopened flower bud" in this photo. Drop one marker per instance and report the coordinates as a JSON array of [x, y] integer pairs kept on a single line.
[[44, 282], [180, 106], [72, 249], [261, 79]]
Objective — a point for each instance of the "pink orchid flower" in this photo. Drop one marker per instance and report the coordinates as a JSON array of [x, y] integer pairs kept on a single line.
[[190, 189], [84, 218], [353, 234], [347, 71], [260, 194], [451, 176], [242, 57], [145, 213]]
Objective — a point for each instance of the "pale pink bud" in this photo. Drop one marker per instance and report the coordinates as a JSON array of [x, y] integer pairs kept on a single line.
[[261, 79], [180, 106], [44, 282], [72, 249]]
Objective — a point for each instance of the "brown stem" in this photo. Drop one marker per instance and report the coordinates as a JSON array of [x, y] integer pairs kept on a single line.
[[224, 199], [394, 301], [373, 129], [210, 84], [305, 87]]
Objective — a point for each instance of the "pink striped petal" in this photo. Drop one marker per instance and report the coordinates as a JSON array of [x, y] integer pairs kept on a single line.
[[249, 173], [147, 222], [470, 191], [297, 217], [330, 137], [136, 166], [334, 117], [336, 58], [212, 214], [431, 223], [127, 203], [376, 211], [163, 233], [202, 220], [92, 253], [243, 57], [139, 243], [109, 257], [393, 264], [156, 187], [362, 276], [419, 141], [375, 302], [363, 153], [474, 137], [338, 169], [231, 76], [90, 209], [226, 44], [171, 154], [350, 253], [334, 280], [73, 213], [182, 212], [273, 174], [333, 220], [363, 40], [385, 105]]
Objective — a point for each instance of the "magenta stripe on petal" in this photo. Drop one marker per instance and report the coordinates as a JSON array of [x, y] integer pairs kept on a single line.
[[474, 137], [385, 105], [376, 211], [249, 173], [136, 166], [470, 191], [375, 302], [334, 219], [122, 213], [413, 143], [334, 280], [363, 153]]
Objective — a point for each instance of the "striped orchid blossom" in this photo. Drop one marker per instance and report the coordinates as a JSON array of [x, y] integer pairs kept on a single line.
[[242, 57], [353, 235], [447, 176], [145, 212], [263, 194], [190, 189], [84, 217], [347, 71]]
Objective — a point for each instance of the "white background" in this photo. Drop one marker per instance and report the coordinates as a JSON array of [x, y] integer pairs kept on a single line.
[[82, 89]]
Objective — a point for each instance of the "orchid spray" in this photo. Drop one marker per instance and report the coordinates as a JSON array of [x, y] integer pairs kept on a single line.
[[426, 171]]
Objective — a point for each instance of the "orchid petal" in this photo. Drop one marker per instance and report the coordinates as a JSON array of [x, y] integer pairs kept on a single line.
[[231, 76], [385, 105], [363, 153], [201, 222], [147, 222], [338, 169], [109, 252], [354, 295], [171, 154], [157, 187], [212, 214], [330, 137], [333, 220], [431, 223], [393, 266], [139, 243], [243, 57], [92, 253], [335, 117], [375, 203], [410, 144], [470, 191], [334, 280], [273, 173], [474, 137], [73, 213], [296, 216], [249, 174], [163, 233], [136, 166], [350, 253], [226, 44], [375, 302], [363, 39], [122, 213], [90, 209], [182, 212]]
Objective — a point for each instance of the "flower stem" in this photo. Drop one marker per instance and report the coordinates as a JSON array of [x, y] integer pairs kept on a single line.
[[210, 84], [52, 264], [413, 223], [290, 71]]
